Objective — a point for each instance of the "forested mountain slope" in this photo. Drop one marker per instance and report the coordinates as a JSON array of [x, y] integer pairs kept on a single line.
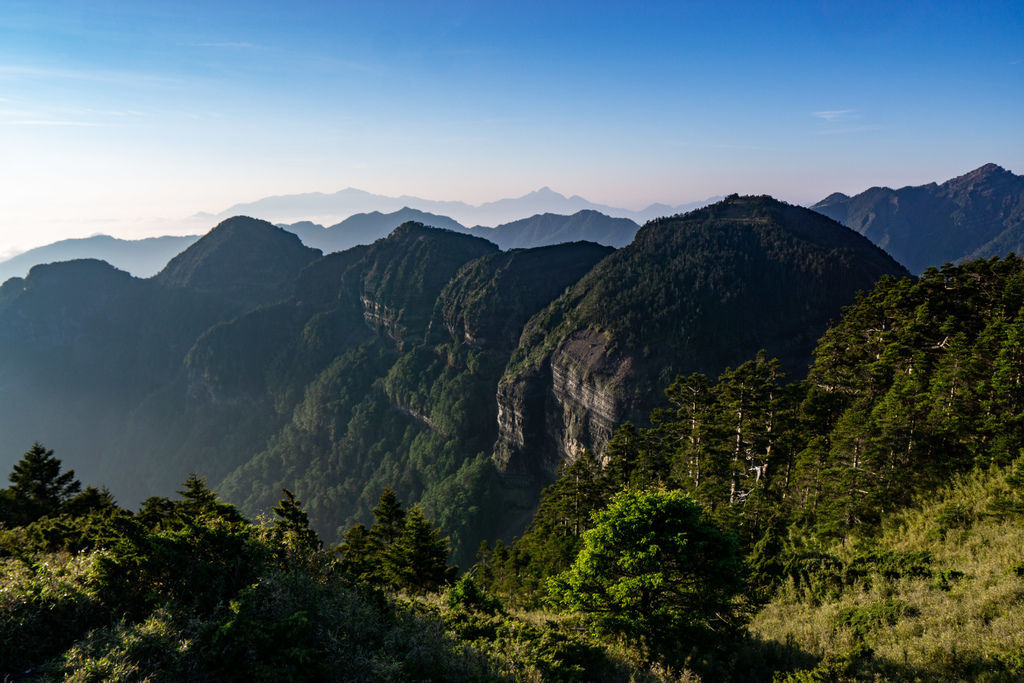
[[976, 215], [398, 363], [861, 524], [696, 292], [876, 502]]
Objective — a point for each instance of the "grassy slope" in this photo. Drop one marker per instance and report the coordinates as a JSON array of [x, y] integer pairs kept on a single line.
[[941, 626]]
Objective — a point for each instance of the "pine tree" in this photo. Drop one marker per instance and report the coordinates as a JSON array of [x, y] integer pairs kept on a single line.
[[360, 555], [389, 518], [418, 561], [198, 500], [292, 526], [687, 429], [38, 488]]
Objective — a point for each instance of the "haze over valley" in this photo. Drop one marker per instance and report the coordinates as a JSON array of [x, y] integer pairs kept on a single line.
[[740, 399]]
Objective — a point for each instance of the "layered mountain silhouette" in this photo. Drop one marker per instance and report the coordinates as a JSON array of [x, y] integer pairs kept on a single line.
[[549, 228], [322, 207], [536, 231], [141, 258], [146, 257], [429, 361], [976, 215]]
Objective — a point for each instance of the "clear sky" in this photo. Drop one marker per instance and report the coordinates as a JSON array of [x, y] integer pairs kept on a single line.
[[114, 115]]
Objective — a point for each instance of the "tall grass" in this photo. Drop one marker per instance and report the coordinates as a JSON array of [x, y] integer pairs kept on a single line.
[[962, 620]]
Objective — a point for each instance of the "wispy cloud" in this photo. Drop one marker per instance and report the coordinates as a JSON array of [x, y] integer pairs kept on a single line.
[[848, 129], [43, 122], [842, 122], [14, 71], [834, 115], [65, 116]]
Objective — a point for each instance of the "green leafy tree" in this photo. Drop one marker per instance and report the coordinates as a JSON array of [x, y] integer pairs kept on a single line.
[[654, 568]]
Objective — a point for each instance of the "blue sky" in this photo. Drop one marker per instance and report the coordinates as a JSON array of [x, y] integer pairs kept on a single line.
[[122, 117]]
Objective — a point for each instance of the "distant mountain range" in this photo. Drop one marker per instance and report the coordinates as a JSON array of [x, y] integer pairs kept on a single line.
[[976, 215], [326, 208], [536, 231], [141, 258]]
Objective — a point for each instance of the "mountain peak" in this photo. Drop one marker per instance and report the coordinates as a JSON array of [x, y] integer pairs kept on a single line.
[[546, 192], [242, 258], [833, 198], [975, 215], [982, 174]]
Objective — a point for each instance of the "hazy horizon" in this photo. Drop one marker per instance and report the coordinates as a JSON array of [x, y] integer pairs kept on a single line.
[[128, 119]]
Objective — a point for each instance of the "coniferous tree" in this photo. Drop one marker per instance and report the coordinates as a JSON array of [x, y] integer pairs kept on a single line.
[[38, 488], [360, 554], [389, 518], [687, 429], [418, 560], [291, 528]]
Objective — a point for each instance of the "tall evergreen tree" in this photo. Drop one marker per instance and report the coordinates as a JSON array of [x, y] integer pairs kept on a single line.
[[389, 518], [291, 528], [38, 488], [418, 560]]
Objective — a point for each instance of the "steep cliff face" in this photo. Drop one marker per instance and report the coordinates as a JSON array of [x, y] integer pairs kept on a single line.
[[692, 293], [571, 400], [409, 404], [403, 274]]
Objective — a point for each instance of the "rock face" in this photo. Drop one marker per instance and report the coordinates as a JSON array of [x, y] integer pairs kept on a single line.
[[403, 274], [693, 293], [976, 215]]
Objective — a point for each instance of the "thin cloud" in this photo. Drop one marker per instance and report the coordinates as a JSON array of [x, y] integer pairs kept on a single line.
[[40, 122], [24, 71], [848, 129], [834, 115]]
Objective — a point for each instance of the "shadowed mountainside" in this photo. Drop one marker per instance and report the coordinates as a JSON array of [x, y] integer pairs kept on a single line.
[[428, 361], [976, 215]]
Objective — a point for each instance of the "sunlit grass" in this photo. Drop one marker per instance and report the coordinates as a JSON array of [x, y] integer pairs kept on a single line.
[[965, 621]]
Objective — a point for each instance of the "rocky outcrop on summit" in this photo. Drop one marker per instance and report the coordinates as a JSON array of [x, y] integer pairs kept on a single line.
[[692, 293], [977, 215]]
